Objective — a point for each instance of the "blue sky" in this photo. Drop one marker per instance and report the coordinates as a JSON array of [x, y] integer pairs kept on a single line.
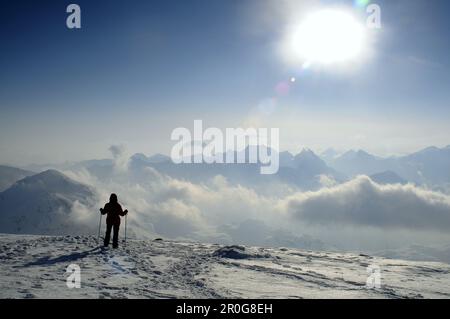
[[138, 69]]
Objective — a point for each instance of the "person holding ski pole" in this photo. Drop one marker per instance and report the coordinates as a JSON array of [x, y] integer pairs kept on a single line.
[[113, 212]]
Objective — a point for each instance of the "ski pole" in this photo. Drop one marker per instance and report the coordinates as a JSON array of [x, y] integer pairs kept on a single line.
[[99, 226], [126, 219]]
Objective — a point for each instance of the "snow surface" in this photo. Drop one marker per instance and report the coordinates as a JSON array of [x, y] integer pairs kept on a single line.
[[35, 267]]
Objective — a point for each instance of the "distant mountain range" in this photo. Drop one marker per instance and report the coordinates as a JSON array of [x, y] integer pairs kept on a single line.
[[42, 203], [302, 170], [430, 166]]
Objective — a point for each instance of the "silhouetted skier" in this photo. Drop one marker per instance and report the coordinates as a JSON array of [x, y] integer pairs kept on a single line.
[[113, 211]]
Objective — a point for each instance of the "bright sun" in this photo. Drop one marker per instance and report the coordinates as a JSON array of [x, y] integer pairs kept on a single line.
[[327, 37]]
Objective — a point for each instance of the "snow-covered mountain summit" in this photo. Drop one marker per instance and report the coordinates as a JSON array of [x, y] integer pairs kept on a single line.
[[42, 204]]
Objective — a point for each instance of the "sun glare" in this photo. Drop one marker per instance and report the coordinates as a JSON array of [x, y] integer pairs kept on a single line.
[[327, 37]]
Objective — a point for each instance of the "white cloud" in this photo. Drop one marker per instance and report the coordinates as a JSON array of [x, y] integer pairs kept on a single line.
[[120, 157], [327, 181], [365, 203], [177, 208]]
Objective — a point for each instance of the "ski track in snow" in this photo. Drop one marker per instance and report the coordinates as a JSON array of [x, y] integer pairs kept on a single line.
[[35, 267]]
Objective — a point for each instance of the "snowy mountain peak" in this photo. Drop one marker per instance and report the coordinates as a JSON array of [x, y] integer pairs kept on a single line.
[[330, 153], [307, 156], [431, 149], [307, 153], [48, 174], [42, 204], [286, 154], [356, 155], [50, 180], [348, 155], [308, 161], [362, 153], [154, 159]]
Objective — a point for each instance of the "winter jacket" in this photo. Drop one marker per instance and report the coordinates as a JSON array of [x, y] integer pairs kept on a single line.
[[113, 212]]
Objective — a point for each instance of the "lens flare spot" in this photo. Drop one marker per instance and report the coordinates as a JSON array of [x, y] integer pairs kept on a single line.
[[282, 88]]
